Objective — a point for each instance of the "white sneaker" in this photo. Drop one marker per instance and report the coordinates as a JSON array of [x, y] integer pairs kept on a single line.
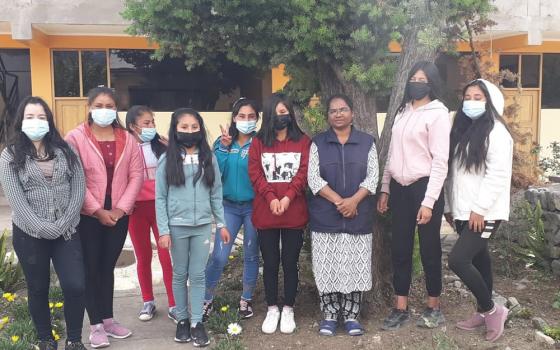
[[287, 322], [271, 321]]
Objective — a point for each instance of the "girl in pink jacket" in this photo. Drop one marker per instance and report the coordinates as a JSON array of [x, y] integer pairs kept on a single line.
[[114, 175], [412, 187]]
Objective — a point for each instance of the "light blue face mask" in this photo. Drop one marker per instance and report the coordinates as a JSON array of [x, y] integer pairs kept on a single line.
[[246, 126], [35, 128], [103, 116], [147, 134], [474, 109]]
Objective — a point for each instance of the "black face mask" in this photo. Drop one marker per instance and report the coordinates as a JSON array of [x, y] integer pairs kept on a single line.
[[189, 139], [418, 90], [282, 121]]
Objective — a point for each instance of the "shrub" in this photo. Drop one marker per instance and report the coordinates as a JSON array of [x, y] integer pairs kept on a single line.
[[11, 274], [534, 250], [551, 165]]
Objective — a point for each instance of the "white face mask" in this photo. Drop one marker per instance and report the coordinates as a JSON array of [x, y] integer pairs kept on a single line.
[[474, 109], [103, 116], [35, 128], [246, 126]]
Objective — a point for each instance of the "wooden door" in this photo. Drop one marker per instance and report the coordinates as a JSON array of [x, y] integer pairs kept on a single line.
[[70, 113]]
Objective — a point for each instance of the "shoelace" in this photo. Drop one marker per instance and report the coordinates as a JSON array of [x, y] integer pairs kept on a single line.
[[146, 308], [243, 305]]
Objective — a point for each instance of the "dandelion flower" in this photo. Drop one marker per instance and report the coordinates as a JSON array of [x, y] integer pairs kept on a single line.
[[231, 257], [55, 335], [59, 304], [15, 338], [224, 309], [234, 329], [4, 319], [51, 305], [6, 295]]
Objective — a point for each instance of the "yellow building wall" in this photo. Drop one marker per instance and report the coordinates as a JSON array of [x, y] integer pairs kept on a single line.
[[550, 129]]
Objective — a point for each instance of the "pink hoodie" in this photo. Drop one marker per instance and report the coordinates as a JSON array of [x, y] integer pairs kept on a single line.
[[128, 173], [419, 148]]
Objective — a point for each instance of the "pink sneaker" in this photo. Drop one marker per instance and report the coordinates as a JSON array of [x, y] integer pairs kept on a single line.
[[495, 320], [98, 337], [472, 323], [115, 330]]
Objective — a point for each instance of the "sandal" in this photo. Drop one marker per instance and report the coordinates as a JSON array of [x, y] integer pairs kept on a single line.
[[353, 328], [327, 327]]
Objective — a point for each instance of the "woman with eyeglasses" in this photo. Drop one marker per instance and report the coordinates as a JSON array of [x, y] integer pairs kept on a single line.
[[342, 175], [232, 152], [412, 187]]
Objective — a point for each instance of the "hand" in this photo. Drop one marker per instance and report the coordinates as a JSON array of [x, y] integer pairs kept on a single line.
[[163, 140], [348, 207], [224, 234], [275, 207], [449, 219], [105, 217], [476, 222], [382, 203], [226, 137], [424, 215], [117, 214], [284, 204], [164, 242]]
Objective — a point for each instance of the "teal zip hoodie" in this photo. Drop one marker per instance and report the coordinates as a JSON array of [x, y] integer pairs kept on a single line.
[[234, 168], [187, 205]]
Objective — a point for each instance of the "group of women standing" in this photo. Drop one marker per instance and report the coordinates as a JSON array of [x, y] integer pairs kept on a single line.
[[74, 200]]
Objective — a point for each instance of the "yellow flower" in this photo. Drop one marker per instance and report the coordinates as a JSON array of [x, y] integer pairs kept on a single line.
[[224, 309], [59, 304], [4, 319], [15, 338], [6, 295], [231, 257], [55, 336], [51, 305]]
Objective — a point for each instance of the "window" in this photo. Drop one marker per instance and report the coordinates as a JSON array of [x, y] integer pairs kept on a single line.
[[167, 85], [551, 81], [511, 63], [16, 62], [530, 70], [67, 66]]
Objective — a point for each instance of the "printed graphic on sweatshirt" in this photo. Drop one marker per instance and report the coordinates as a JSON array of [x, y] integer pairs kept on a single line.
[[280, 167]]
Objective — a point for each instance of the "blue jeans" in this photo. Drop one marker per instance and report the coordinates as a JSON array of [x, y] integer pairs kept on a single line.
[[236, 214]]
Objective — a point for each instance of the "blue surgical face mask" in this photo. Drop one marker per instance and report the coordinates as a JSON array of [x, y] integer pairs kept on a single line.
[[474, 109], [246, 126], [103, 116], [147, 134], [35, 128]]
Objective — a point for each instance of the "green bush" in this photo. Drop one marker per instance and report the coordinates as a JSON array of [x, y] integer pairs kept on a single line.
[[314, 120], [551, 165], [11, 275], [229, 343], [534, 250], [225, 312], [556, 301], [553, 332]]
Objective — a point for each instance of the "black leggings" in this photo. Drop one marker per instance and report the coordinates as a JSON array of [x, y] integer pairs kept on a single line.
[[470, 260], [405, 201], [102, 246], [269, 241], [35, 257]]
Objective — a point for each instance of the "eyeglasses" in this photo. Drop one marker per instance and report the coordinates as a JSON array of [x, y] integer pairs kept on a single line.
[[340, 110]]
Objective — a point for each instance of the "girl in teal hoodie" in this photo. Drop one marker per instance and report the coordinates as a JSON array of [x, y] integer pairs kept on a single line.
[[232, 152], [188, 194]]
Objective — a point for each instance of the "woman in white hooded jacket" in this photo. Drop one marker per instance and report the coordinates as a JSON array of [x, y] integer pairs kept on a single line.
[[477, 194]]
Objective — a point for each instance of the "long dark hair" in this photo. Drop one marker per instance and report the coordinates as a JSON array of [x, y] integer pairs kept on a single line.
[[469, 138], [132, 115], [174, 161], [267, 133], [20, 146], [234, 133], [434, 82], [102, 90]]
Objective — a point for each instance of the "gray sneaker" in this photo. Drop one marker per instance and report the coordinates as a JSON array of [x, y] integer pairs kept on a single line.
[[148, 311], [395, 320], [172, 314], [430, 318]]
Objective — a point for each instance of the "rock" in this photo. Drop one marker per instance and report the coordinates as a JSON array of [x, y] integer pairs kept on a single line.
[[512, 302], [457, 284], [498, 299], [376, 339], [543, 338], [519, 286], [538, 323], [451, 278], [555, 252], [555, 267]]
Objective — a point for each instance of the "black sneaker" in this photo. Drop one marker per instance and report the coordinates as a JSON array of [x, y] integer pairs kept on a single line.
[[50, 344], [183, 333], [395, 320], [430, 318], [206, 310], [245, 309], [75, 345], [199, 335]]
